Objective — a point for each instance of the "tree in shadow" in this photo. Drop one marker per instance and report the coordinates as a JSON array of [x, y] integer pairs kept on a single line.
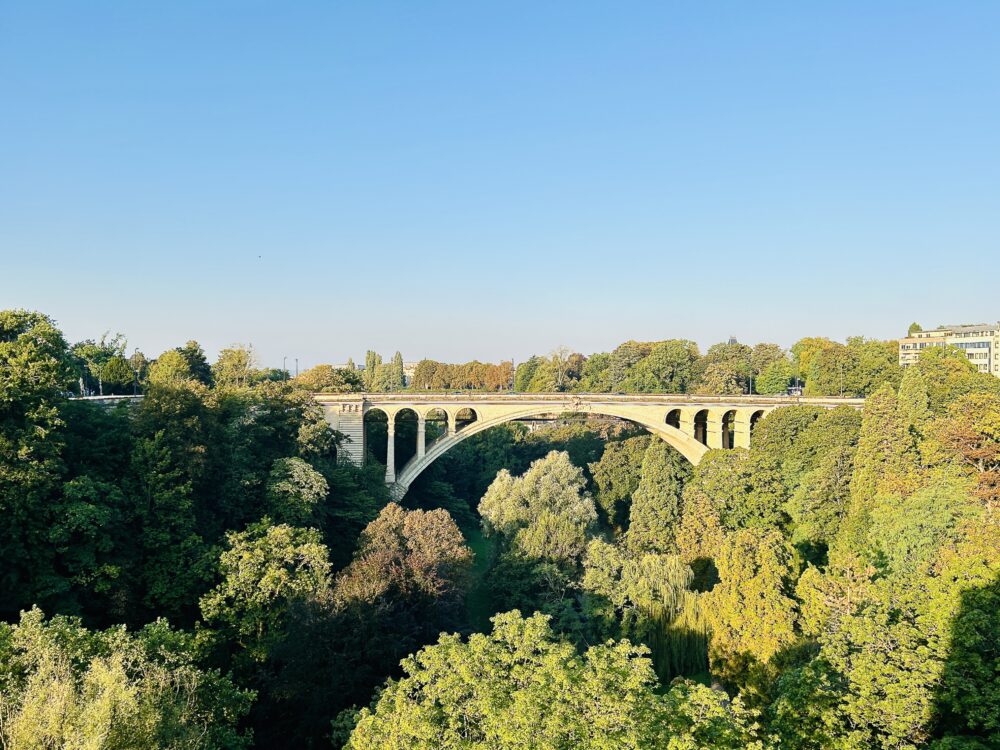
[[968, 699]]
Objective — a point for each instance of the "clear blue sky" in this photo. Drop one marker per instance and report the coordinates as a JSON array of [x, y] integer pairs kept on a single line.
[[460, 180]]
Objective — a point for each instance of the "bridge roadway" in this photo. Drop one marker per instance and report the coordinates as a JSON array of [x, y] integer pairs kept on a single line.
[[691, 424]]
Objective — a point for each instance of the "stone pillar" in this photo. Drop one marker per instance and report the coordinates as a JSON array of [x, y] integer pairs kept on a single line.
[[741, 429], [421, 436], [390, 452], [713, 436], [687, 422], [451, 423]]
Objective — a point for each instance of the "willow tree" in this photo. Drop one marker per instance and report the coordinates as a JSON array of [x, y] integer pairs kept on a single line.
[[642, 597]]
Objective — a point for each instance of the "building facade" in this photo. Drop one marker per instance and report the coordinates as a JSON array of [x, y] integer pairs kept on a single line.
[[980, 342]]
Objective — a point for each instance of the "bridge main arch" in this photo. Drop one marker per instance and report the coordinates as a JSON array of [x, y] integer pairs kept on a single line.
[[691, 424], [654, 421]]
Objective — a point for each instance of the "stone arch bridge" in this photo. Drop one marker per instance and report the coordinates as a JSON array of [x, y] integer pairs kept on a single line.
[[691, 424]]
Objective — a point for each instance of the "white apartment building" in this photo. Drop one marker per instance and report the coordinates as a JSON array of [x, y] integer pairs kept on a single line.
[[980, 342]]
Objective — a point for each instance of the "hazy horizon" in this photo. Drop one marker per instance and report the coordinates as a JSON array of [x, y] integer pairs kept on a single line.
[[486, 182]]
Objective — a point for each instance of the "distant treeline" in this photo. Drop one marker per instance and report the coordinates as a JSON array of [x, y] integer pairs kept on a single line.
[[820, 366]]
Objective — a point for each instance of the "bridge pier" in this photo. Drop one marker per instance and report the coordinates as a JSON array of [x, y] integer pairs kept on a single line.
[[741, 430], [421, 436], [390, 452], [347, 417], [713, 432], [687, 422]]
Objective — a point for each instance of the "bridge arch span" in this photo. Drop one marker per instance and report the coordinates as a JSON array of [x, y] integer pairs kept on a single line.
[[687, 446], [693, 424]]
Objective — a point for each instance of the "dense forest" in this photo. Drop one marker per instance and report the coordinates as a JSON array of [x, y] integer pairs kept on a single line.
[[197, 569]]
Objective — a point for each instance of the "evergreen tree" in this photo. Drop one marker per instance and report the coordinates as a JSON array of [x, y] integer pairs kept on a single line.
[[885, 464], [372, 362], [655, 509], [398, 376], [525, 374]]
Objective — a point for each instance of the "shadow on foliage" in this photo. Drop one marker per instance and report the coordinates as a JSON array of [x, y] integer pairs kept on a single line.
[[968, 700]]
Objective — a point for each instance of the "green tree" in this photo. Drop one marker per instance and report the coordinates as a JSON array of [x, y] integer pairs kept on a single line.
[[264, 571], [372, 362], [764, 356], [67, 687], [235, 367], [92, 356], [327, 379], [821, 500], [616, 478], [745, 488], [885, 461], [118, 374], [170, 368], [34, 372], [751, 611], [294, 490], [668, 367], [700, 536], [541, 521], [525, 373], [725, 369], [775, 378], [595, 374], [655, 509], [885, 464], [551, 490], [398, 376], [639, 597], [803, 352], [905, 533], [622, 362], [197, 363], [948, 375], [522, 687], [967, 439], [720, 379]]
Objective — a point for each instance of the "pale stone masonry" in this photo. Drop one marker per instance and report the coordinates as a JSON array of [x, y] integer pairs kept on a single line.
[[691, 424], [980, 342]]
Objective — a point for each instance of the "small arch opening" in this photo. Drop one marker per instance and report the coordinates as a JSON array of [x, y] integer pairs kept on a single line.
[[464, 418], [405, 437], [436, 421], [729, 429], [376, 434], [701, 426], [755, 418], [674, 418]]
